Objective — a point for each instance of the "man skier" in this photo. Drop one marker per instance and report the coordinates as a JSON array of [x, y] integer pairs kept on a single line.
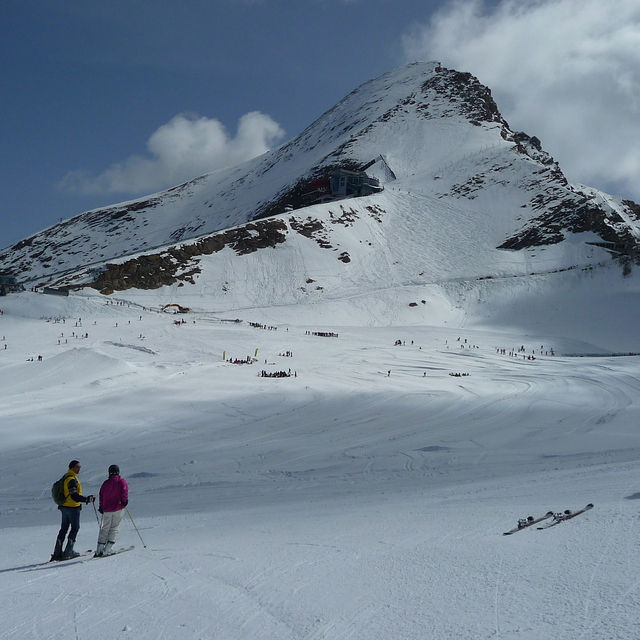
[[70, 509], [114, 497]]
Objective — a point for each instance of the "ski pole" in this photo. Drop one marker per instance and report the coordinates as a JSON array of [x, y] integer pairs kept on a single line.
[[96, 512], [136, 528]]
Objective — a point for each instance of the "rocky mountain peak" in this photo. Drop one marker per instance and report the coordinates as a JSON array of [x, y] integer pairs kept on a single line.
[[424, 134]]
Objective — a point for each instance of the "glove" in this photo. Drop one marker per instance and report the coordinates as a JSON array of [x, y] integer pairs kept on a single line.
[[100, 510], [91, 499], [125, 503]]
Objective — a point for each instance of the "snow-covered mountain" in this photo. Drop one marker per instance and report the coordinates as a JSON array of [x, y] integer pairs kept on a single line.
[[350, 472], [465, 198]]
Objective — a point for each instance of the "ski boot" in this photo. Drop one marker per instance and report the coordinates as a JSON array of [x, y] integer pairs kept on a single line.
[[57, 552], [69, 553]]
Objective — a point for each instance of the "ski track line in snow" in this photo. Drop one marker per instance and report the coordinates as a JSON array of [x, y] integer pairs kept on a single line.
[[496, 603], [612, 542], [603, 552], [341, 627]]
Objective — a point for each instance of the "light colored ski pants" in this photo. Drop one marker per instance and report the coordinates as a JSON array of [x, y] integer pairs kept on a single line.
[[110, 526]]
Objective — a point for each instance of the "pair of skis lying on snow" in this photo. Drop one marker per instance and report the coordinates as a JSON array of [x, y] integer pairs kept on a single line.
[[557, 518]]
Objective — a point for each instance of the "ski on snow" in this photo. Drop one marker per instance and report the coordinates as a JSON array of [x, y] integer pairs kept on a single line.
[[50, 564], [528, 522], [45, 565], [80, 555], [563, 517], [115, 553]]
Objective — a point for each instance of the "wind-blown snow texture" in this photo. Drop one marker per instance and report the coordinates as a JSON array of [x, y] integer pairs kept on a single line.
[[365, 495]]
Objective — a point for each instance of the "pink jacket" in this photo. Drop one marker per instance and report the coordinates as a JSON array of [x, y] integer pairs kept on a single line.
[[114, 494]]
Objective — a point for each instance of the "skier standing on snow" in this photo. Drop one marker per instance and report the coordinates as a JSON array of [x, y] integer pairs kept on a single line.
[[70, 509], [114, 497]]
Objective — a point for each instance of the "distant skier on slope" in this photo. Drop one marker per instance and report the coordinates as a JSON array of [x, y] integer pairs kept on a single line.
[[70, 510], [114, 497]]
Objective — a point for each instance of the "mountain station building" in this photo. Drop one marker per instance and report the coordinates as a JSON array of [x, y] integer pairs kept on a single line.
[[352, 183], [8, 283], [342, 183]]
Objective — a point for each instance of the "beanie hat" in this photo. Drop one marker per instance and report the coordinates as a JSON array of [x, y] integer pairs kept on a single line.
[[114, 470], [73, 463]]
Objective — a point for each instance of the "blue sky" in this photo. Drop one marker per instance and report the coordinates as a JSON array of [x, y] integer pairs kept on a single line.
[[102, 101]]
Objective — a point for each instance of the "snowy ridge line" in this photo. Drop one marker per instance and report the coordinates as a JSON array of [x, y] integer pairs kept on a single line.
[[144, 251], [190, 240], [601, 355], [499, 278], [80, 294], [132, 346], [329, 297]]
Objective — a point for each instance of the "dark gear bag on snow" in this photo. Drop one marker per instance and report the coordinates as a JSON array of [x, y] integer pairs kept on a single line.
[[57, 491]]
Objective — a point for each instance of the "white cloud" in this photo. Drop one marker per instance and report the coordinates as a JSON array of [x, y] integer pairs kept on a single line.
[[184, 148], [567, 71]]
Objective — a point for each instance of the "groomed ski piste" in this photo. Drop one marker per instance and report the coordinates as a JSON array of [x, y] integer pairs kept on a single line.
[[363, 497]]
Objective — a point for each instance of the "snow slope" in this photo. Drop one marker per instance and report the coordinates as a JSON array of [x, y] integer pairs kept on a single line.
[[364, 497]]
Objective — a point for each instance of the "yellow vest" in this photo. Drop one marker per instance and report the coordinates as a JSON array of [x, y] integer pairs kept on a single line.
[[71, 474]]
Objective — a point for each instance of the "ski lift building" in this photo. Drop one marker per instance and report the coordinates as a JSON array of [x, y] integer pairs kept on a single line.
[[8, 283], [346, 183]]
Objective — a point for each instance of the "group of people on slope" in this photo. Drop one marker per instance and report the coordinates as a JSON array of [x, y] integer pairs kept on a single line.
[[113, 499]]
